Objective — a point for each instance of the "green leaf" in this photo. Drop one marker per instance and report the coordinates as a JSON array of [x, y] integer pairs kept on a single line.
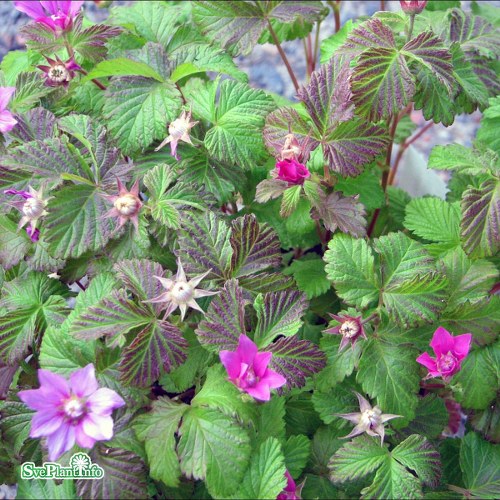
[[75, 222], [480, 463], [157, 429], [138, 110], [356, 459], [278, 314], [339, 400], [390, 373], [490, 123], [310, 276], [481, 219], [350, 265], [291, 197], [15, 424], [215, 448], [220, 394], [238, 118], [296, 450], [434, 220], [265, 477], [466, 160], [39, 489], [479, 378], [270, 421], [30, 88], [154, 21], [330, 45], [14, 244], [366, 185], [122, 66], [431, 417]]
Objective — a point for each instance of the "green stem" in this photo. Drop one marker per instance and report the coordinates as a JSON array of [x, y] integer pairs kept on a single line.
[[410, 29]]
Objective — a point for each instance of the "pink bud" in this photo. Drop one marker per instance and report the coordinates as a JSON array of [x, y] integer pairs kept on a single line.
[[291, 171], [413, 6]]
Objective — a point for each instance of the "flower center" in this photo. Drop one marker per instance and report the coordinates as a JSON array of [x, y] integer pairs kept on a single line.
[[33, 208], [446, 362], [178, 128], [349, 329], [59, 73], [127, 204], [371, 418], [182, 292], [250, 378], [74, 408]]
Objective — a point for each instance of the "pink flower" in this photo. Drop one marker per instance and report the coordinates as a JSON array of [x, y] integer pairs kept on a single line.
[[413, 6], [449, 351], [350, 327], [291, 491], [59, 73], [71, 411], [126, 205], [247, 370], [58, 15], [291, 171], [7, 120]]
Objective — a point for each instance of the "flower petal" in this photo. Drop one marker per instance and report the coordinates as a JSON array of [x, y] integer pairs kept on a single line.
[[5, 95], [83, 382], [260, 363], [61, 441], [98, 427], [462, 345], [7, 121], [260, 391], [40, 399], [273, 379], [104, 401], [246, 349], [442, 342], [56, 383], [45, 423], [429, 363], [32, 9], [82, 439], [232, 362]]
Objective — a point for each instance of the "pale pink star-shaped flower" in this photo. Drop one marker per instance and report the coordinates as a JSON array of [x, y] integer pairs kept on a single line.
[[126, 205], [350, 327], [180, 293], [369, 420], [71, 411], [178, 131], [58, 72], [450, 352]]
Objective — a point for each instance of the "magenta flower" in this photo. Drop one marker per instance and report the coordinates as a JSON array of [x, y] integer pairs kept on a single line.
[[59, 73], [291, 491], [68, 412], [449, 351], [247, 370], [350, 327], [58, 15], [291, 171], [413, 7], [7, 120]]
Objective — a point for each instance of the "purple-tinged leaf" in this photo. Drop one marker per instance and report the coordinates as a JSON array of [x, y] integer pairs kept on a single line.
[[290, 11], [281, 122], [112, 316], [485, 71], [382, 84], [158, 348], [40, 38], [269, 189], [278, 313], [353, 144], [138, 277], [7, 373], [327, 96], [91, 42], [266, 282], [34, 125], [480, 227], [14, 244], [370, 34], [256, 247], [124, 475], [474, 34], [204, 245], [428, 50], [296, 359], [342, 212], [47, 158], [224, 320]]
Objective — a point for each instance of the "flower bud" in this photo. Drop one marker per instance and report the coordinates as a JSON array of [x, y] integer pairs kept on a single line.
[[413, 7], [292, 171]]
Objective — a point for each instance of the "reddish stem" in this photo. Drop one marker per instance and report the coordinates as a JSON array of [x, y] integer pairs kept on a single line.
[[80, 285], [402, 150], [382, 5], [336, 15]]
